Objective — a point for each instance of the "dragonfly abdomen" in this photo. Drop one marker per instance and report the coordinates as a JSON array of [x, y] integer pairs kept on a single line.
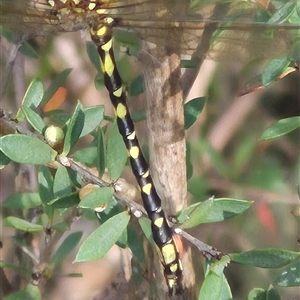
[[162, 233]]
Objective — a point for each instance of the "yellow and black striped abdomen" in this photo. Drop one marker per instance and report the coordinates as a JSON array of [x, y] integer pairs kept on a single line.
[[162, 233]]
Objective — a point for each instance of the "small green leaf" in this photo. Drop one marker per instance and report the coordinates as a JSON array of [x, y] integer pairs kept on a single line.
[[97, 197], [62, 226], [45, 182], [22, 201], [65, 201], [87, 156], [283, 13], [192, 110], [281, 128], [257, 294], [145, 224], [215, 285], [93, 55], [265, 258], [93, 116], [75, 126], [69, 243], [57, 82], [138, 115], [129, 39], [23, 225], [97, 244], [62, 184], [27, 50], [135, 243], [4, 160], [189, 164], [75, 275], [274, 69], [32, 98], [290, 275], [17, 267], [99, 80], [272, 293], [294, 52], [122, 240], [116, 155], [187, 64], [211, 211], [34, 119], [26, 149], [101, 153], [137, 86]]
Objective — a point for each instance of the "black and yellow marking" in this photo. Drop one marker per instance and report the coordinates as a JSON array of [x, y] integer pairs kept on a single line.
[[162, 233]]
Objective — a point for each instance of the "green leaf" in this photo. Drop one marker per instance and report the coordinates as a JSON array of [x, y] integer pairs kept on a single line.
[[57, 82], [138, 115], [17, 267], [26, 149], [97, 244], [290, 275], [27, 50], [62, 226], [23, 225], [32, 98], [189, 163], [265, 258], [215, 285], [281, 128], [62, 184], [93, 116], [129, 39], [22, 201], [294, 52], [283, 13], [45, 182], [116, 155], [211, 211], [69, 243], [135, 243], [99, 80], [87, 156], [145, 224], [187, 64], [4, 160], [97, 197], [257, 294], [274, 69], [75, 126], [137, 86], [122, 240], [93, 55], [34, 119], [31, 292], [192, 110], [272, 293], [101, 153], [65, 201]]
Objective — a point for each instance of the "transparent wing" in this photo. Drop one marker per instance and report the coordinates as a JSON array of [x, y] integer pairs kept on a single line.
[[175, 24]]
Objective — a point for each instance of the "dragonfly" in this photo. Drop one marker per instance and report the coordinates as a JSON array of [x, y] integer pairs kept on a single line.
[[168, 30]]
